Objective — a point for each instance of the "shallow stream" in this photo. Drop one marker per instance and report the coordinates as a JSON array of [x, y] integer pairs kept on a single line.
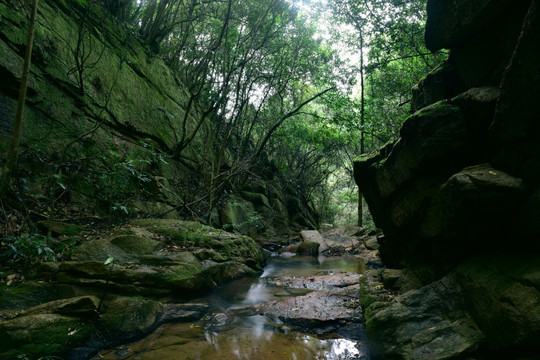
[[231, 333]]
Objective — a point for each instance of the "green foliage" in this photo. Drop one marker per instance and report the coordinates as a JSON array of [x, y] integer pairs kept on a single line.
[[116, 177], [397, 58], [256, 73], [29, 248], [249, 217]]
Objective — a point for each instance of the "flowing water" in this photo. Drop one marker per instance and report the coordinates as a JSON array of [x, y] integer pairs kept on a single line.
[[231, 333]]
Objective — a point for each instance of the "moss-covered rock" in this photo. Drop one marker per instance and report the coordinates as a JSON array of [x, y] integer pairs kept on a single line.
[[256, 199], [240, 215], [442, 331], [156, 257], [41, 335], [192, 235], [131, 316], [60, 228], [27, 295], [486, 305], [80, 306], [136, 244]]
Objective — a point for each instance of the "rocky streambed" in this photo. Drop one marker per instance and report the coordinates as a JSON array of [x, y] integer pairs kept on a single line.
[[150, 280], [302, 307]]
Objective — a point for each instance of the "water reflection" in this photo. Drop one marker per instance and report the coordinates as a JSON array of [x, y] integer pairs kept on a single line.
[[234, 333], [181, 341], [309, 265]]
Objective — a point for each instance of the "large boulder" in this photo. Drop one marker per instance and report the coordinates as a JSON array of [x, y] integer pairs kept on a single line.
[[483, 306], [41, 335], [308, 248], [331, 306], [428, 323], [318, 312], [414, 184], [468, 206], [403, 179], [159, 257]]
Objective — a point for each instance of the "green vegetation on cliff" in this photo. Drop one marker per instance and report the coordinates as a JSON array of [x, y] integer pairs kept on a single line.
[[172, 107]]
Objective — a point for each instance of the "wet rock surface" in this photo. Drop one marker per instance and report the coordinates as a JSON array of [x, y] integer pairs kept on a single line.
[[319, 312], [301, 307], [121, 287], [333, 301]]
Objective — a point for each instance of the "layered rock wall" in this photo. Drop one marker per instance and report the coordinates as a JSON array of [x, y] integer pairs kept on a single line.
[[458, 193], [464, 173]]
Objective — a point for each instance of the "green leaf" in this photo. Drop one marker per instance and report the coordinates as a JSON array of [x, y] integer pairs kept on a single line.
[[108, 261]]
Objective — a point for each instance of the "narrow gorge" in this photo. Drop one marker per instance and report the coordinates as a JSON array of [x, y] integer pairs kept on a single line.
[[188, 173]]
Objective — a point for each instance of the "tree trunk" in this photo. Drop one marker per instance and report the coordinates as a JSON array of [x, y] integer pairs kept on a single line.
[[13, 151], [362, 119]]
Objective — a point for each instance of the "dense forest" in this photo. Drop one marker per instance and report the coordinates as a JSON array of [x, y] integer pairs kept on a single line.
[[296, 87]]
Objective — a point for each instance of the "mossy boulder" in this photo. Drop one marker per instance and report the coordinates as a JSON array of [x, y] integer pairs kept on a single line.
[[131, 317], [192, 235], [256, 199], [156, 257], [32, 293], [81, 306], [240, 215], [40, 335], [442, 331], [60, 228], [136, 244]]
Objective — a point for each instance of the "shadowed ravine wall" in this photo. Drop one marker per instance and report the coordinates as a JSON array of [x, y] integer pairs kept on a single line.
[[458, 193]]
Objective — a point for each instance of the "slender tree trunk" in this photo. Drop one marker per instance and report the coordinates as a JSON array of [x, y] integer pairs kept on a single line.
[[362, 122], [13, 151]]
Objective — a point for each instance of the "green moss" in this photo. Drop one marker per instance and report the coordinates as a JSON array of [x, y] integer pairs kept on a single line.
[[65, 335], [27, 295], [209, 254], [180, 274], [61, 228], [182, 232], [131, 315], [43, 335], [217, 245], [367, 295]]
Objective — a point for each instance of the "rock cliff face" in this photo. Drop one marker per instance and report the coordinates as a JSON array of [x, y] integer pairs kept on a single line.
[[465, 170], [458, 193], [105, 113]]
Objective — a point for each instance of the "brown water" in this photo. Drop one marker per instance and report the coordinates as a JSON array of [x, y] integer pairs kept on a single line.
[[229, 333]]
